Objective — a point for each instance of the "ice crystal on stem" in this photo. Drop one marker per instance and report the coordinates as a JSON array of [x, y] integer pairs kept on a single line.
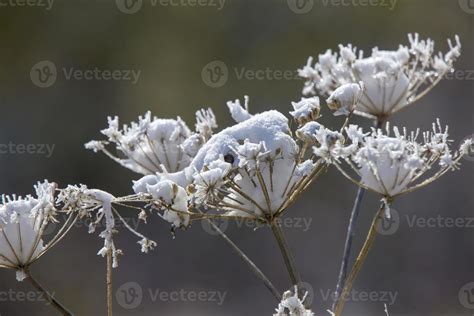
[[99, 205], [153, 144], [292, 305], [23, 222], [392, 80]]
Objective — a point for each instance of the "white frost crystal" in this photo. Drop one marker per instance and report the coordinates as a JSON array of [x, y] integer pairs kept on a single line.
[[292, 305], [345, 98], [392, 79], [306, 110]]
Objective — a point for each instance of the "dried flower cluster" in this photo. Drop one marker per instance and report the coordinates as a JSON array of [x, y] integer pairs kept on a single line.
[[392, 80], [258, 167]]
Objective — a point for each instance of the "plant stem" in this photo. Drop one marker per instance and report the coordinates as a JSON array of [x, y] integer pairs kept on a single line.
[[50, 298], [109, 282], [350, 234], [361, 258], [286, 253], [268, 284], [348, 244]]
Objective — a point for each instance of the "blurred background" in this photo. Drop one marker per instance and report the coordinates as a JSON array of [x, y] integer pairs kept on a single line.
[[415, 270]]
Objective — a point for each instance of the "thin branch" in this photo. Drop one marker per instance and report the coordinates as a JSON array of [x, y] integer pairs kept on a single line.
[[361, 258], [348, 244], [50, 298], [286, 253], [109, 282], [258, 273]]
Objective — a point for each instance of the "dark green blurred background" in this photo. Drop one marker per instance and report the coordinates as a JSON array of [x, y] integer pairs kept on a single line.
[[170, 45]]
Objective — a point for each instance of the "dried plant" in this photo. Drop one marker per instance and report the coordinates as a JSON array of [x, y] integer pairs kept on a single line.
[[257, 168]]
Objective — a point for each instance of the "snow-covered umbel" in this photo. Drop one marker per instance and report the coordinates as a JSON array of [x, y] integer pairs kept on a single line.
[[99, 206], [392, 79], [153, 144], [251, 169], [292, 305], [395, 164], [23, 221]]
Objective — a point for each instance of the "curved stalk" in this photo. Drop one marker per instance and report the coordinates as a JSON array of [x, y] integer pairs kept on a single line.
[[50, 298], [258, 273], [361, 258]]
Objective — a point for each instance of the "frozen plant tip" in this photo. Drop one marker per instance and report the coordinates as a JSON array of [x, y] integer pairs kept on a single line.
[[392, 80], [292, 305]]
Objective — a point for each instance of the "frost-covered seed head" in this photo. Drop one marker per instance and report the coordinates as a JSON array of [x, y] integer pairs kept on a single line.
[[23, 221], [395, 164], [155, 145], [392, 79]]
